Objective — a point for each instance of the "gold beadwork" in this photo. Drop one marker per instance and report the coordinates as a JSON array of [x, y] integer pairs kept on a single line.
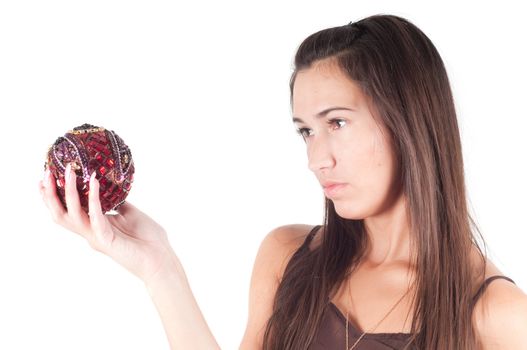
[[75, 165], [82, 131]]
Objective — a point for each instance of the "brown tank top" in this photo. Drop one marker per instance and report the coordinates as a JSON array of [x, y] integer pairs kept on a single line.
[[331, 331]]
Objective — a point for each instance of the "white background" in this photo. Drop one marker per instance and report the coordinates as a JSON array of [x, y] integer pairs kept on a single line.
[[199, 91]]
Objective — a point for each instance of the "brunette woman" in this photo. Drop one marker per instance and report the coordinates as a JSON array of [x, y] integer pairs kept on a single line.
[[396, 264]]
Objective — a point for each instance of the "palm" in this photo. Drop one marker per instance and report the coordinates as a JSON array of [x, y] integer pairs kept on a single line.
[[134, 240]]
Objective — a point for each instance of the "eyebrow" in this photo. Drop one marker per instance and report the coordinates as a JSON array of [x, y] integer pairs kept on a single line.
[[323, 113]]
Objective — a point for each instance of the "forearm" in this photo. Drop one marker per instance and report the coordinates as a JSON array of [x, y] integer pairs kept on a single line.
[[182, 319]]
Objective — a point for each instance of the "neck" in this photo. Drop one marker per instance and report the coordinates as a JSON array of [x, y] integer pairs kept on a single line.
[[388, 236]]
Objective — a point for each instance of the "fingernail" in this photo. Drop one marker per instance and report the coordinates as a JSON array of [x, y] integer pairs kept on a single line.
[[67, 172], [92, 180]]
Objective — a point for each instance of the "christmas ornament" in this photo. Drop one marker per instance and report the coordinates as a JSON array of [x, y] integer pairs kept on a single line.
[[91, 148]]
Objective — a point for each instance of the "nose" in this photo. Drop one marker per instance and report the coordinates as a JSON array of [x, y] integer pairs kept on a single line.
[[320, 155]]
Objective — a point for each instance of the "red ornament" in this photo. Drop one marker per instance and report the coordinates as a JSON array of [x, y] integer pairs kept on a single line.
[[90, 148]]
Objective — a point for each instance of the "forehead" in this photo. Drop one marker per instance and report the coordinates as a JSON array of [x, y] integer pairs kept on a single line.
[[324, 85]]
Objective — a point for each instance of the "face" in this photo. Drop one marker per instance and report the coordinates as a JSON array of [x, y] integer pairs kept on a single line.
[[348, 151]]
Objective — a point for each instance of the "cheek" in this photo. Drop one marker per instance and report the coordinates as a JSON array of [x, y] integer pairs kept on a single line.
[[369, 165], [358, 158]]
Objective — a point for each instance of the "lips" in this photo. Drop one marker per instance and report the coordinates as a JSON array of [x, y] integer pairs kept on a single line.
[[326, 184], [331, 188]]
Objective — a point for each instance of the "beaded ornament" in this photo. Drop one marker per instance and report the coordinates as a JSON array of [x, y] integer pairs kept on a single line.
[[90, 148]]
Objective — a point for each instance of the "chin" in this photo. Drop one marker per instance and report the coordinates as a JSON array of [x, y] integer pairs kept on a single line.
[[348, 211]]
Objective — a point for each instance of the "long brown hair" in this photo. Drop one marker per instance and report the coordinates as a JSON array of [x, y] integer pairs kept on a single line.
[[397, 65]]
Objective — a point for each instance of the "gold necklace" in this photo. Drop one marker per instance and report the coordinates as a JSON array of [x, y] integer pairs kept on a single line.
[[371, 329]]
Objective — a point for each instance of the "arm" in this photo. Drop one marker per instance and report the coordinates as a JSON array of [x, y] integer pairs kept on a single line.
[[139, 244], [183, 322], [182, 319]]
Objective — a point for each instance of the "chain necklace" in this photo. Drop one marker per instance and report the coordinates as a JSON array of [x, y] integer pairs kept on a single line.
[[371, 329]]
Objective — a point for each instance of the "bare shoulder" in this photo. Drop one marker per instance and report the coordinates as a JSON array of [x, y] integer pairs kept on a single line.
[[290, 235], [274, 253], [500, 314], [279, 245]]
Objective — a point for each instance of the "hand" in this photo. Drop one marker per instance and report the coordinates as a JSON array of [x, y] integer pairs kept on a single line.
[[131, 237]]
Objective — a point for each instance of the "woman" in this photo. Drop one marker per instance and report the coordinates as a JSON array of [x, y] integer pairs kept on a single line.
[[396, 264]]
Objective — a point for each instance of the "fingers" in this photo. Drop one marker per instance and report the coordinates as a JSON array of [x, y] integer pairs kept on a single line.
[[94, 204], [94, 226], [128, 214], [48, 192], [127, 210], [73, 217], [72, 195], [97, 218]]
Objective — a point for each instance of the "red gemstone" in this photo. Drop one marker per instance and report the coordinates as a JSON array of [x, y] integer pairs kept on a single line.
[[110, 162], [102, 170], [97, 146], [103, 181]]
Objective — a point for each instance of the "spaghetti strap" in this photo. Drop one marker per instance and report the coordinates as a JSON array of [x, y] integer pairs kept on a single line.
[[485, 285]]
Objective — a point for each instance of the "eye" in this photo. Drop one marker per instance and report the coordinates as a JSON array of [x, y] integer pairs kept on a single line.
[[304, 132], [336, 121]]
